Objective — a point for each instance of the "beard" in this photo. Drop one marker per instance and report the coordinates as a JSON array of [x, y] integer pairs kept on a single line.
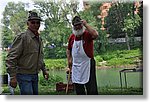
[[78, 32]]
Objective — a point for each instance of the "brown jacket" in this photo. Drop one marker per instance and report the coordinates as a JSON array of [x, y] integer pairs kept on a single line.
[[25, 55]]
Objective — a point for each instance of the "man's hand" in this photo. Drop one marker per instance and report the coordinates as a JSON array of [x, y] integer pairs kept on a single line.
[[68, 70], [84, 22], [92, 31], [70, 63], [13, 82], [45, 74]]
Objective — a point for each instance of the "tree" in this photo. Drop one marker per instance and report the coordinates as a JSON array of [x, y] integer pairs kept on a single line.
[[91, 15], [14, 18], [121, 21], [56, 21], [6, 36]]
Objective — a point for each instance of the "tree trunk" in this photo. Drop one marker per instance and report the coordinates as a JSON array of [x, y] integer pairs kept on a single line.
[[127, 41]]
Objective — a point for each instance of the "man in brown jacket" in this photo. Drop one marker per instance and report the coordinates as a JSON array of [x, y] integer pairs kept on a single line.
[[25, 58]]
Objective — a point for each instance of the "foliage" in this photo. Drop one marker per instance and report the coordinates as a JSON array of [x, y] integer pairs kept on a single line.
[[119, 62], [101, 42], [56, 52], [114, 22], [57, 25], [122, 22], [57, 22], [55, 63], [3, 58], [131, 23], [14, 20], [98, 59], [7, 36], [51, 81], [119, 57], [112, 58]]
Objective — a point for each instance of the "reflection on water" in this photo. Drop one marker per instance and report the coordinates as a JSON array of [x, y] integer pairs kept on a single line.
[[110, 78]]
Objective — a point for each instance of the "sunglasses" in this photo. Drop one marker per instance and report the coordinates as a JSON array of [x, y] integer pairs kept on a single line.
[[34, 22]]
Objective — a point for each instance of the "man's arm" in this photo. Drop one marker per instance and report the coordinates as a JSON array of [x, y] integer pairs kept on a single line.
[[69, 58], [92, 31], [11, 60], [13, 55]]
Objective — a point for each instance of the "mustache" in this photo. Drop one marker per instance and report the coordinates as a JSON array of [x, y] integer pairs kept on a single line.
[[78, 32]]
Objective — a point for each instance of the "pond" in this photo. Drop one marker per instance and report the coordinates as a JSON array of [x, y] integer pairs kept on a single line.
[[111, 78]]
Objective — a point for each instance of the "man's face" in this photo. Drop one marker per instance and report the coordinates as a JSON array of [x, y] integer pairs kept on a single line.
[[34, 25], [78, 29], [78, 26]]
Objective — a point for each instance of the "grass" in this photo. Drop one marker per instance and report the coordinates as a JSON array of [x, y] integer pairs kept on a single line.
[[43, 90]]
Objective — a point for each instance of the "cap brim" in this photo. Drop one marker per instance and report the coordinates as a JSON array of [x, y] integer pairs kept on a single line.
[[35, 18], [77, 23]]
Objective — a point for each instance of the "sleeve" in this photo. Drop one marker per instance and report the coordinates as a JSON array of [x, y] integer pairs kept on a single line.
[[13, 55], [88, 36], [70, 42]]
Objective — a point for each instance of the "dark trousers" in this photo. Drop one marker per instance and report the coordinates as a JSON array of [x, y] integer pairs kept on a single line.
[[89, 88]]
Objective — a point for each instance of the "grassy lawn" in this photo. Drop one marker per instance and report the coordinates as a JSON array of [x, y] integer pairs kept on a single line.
[[101, 90]]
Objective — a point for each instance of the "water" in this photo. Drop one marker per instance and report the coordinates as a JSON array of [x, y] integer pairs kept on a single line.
[[110, 78]]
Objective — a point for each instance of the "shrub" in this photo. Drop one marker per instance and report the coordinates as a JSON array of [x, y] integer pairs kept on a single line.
[[55, 63], [108, 56], [51, 81], [119, 61], [98, 58]]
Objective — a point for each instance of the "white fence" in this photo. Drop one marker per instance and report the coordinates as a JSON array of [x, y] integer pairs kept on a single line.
[[122, 40]]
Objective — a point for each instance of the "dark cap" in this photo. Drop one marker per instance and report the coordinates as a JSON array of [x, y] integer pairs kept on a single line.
[[33, 16], [76, 20]]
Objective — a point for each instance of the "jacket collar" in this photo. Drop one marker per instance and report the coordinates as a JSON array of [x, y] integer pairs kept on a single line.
[[31, 33]]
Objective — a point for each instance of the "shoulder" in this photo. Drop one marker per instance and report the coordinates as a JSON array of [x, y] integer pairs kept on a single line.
[[70, 41], [24, 36], [72, 36], [19, 36], [86, 33], [87, 36]]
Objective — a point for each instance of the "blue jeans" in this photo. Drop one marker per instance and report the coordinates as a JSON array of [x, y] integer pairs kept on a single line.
[[28, 84]]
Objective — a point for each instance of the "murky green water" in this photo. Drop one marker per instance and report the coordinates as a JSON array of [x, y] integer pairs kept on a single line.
[[111, 78]]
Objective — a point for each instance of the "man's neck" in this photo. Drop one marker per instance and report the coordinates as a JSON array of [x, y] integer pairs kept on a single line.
[[78, 36], [34, 32]]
